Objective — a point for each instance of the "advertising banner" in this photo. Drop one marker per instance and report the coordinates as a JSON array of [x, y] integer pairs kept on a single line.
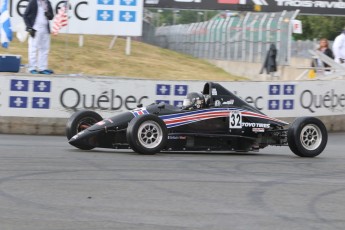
[[59, 96], [101, 17], [297, 27], [329, 7]]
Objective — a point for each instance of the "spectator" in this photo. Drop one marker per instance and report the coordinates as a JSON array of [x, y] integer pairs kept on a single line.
[[270, 63], [324, 48], [339, 48], [36, 18]]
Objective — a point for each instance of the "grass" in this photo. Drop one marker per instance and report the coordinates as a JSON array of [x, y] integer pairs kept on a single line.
[[145, 61]]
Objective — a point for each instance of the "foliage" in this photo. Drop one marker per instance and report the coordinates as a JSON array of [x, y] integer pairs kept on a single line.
[[320, 27], [173, 16]]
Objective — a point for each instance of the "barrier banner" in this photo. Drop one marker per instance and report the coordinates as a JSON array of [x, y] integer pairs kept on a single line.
[[61, 96]]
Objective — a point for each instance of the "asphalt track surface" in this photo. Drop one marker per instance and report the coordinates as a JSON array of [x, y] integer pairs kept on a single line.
[[47, 184]]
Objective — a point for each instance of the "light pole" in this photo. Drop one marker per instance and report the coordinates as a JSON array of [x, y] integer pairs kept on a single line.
[[199, 15], [175, 15], [158, 17]]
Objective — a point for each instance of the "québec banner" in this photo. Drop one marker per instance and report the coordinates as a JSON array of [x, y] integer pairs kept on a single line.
[[101, 17], [61, 96], [323, 7]]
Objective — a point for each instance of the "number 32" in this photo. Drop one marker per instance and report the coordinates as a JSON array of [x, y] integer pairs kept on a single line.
[[235, 120]]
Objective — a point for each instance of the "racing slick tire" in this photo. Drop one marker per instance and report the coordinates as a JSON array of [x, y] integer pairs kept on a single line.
[[307, 137], [147, 134], [79, 121]]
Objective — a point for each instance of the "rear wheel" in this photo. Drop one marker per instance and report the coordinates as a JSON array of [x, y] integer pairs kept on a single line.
[[307, 137], [79, 121], [147, 134]]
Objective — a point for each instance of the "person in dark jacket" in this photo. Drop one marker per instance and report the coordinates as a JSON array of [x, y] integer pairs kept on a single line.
[[270, 63], [324, 48], [36, 18]]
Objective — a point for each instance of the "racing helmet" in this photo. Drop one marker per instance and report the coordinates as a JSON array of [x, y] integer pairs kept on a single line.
[[194, 100]]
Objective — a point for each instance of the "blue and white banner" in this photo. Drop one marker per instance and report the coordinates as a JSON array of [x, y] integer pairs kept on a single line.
[[19, 85], [61, 96], [105, 15], [101, 17], [28, 94], [5, 25], [128, 2], [18, 102], [127, 16], [162, 89]]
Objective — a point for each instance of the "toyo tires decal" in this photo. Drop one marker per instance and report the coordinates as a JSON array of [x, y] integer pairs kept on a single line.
[[174, 120]]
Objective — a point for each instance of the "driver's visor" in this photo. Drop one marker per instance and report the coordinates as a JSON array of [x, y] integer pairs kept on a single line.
[[187, 102]]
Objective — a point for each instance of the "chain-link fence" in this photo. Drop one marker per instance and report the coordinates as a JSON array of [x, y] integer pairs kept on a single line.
[[237, 37], [301, 48]]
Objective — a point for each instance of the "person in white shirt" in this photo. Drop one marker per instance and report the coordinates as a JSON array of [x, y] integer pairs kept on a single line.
[[339, 48], [36, 17]]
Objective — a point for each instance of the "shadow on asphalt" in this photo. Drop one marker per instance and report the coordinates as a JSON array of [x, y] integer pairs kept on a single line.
[[190, 153]]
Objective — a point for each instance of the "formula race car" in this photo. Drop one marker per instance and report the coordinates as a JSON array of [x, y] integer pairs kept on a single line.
[[214, 120]]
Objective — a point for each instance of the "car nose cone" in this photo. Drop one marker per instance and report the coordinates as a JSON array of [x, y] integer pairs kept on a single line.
[[85, 139], [77, 139]]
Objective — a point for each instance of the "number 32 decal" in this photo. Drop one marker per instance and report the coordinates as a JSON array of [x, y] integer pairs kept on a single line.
[[235, 120]]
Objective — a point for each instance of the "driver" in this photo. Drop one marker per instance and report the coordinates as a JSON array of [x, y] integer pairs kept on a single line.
[[194, 101]]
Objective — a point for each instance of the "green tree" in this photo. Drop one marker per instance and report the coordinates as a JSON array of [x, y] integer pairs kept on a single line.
[[187, 16]]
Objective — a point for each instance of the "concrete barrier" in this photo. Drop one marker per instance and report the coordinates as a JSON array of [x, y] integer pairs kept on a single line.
[[42, 104], [32, 126], [56, 126]]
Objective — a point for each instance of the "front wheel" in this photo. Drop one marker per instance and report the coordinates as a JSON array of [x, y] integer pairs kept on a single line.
[[147, 134], [307, 137]]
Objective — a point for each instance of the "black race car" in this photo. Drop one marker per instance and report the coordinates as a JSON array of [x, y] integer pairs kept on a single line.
[[214, 120]]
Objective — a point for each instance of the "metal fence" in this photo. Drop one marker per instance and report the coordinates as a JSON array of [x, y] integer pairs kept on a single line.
[[301, 48], [239, 37]]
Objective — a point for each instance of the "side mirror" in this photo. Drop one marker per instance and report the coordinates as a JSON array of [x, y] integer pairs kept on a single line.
[[161, 105]]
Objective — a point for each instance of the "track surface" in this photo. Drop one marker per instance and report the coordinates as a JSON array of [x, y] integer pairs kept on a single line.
[[46, 184]]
